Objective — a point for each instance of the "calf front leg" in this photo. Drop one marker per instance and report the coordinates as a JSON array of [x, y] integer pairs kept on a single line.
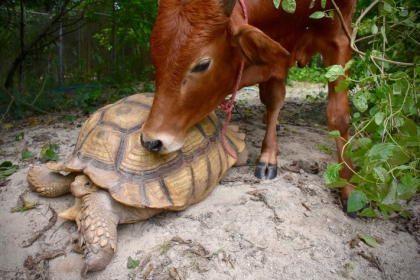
[[272, 95], [338, 116]]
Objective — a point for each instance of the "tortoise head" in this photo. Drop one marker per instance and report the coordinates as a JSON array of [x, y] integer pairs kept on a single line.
[[82, 186]]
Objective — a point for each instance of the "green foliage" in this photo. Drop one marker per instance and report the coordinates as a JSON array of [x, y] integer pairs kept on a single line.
[[104, 44], [385, 142], [287, 5], [132, 263], [50, 152], [369, 240], [7, 168], [310, 73], [26, 154]]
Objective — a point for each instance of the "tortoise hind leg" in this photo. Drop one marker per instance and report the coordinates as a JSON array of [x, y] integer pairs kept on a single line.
[[48, 183]]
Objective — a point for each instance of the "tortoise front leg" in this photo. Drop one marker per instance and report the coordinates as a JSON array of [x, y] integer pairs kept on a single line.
[[97, 224], [48, 183], [98, 221]]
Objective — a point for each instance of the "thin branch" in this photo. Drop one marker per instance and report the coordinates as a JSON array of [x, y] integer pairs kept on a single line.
[[377, 33], [14, 99], [353, 36], [56, 38]]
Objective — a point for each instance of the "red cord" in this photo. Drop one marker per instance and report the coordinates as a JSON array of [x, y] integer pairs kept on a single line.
[[227, 106]]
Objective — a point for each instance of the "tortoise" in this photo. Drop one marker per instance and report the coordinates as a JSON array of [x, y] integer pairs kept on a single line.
[[115, 180]]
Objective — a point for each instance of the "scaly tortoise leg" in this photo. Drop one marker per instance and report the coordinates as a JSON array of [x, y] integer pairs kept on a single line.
[[98, 221], [49, 183]]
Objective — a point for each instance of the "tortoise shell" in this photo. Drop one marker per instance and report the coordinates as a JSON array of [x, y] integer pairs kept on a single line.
[[108, 150]]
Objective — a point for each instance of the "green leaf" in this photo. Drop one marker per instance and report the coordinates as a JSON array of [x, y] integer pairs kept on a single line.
[[399, 158], [398, 75], [323, 3], [334, 72], [396, 89], [276, 3], [391, 198], [49, 152], [374, 29], [365, 142], [410, 127], [406, 192], [27, 206], [360, 100], [27, 154], [411, 141], [379, 117], [6, 164], [398, 121], [331, 14], [7, 169], [382, 151], [405, 214], [20, 136], [368, 212], [369, 240], [383, 34], [407, 180], [289, 6], [382, 173], [334, 134], [312, 4], [332, 178], [356, 179], [348, 64], [317, 15], [132, 263], [357, 200], [342, 86]]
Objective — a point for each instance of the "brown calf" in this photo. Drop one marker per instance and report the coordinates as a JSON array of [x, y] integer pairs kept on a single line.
[[197, 47]]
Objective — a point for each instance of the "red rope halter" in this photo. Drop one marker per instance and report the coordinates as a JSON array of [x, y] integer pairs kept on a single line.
[[227, 106]]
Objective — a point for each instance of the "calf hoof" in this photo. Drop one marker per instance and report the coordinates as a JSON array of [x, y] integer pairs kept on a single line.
[[352, 215], [267, 170], [278, 127]]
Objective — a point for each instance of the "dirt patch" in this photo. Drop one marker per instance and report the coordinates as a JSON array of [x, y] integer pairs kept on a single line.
[[287, 228]]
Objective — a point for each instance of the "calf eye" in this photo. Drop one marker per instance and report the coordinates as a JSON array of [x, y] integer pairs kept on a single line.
[[202, 66]]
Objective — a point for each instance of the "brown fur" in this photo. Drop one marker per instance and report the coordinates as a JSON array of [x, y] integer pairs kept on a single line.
[[273, 40]]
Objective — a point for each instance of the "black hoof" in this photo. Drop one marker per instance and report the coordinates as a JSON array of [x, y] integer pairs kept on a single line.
[[278, 127], [265, 170], [352, 215]]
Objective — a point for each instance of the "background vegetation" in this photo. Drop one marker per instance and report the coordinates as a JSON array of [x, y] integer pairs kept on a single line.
[[72, 53]]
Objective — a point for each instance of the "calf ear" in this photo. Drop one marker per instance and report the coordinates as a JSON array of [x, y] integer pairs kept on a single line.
[[258, 48]]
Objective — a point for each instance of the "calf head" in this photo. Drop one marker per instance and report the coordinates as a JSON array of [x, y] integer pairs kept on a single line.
[[197, 51]]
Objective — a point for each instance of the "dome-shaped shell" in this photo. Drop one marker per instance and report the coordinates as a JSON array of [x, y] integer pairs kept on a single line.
[[108, 150]]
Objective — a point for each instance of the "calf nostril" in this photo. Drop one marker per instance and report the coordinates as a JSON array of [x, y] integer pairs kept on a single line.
[[154, 146]]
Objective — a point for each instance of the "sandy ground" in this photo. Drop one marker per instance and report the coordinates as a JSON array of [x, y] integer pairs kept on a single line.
[[287, 228]]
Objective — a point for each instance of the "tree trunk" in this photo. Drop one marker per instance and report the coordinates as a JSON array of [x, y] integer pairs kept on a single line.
[[22, 43]]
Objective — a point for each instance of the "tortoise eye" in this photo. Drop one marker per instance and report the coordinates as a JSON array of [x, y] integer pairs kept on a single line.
[[202, 66], [87, 184]]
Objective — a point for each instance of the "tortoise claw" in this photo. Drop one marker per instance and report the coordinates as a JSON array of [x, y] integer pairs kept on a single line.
[[265, 169]]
